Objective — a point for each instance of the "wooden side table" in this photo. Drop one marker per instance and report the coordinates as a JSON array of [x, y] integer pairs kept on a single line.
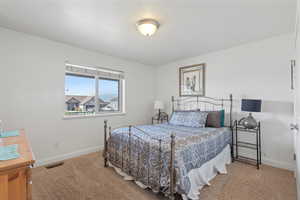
[[238, 129]]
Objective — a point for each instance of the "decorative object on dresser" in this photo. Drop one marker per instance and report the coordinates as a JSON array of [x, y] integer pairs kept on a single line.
[[250, 105], [15, 174], [239, 129], [192, 80]]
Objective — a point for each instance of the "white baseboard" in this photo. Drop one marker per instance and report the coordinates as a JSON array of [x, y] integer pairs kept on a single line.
[[67, 156], [278, 164], [269, 161], [266, 161]]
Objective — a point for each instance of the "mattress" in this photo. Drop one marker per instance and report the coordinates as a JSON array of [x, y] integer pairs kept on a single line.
[[148, 158]]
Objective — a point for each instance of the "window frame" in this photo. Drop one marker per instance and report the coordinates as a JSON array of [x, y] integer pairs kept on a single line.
[[98, 113]]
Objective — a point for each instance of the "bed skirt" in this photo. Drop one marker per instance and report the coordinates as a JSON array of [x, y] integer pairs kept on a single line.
[[198, 177]]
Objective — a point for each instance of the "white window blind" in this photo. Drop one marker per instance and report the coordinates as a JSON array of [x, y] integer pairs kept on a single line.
[[92, 71]]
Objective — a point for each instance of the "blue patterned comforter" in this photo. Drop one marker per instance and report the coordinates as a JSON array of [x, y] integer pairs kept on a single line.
[[143, 161]]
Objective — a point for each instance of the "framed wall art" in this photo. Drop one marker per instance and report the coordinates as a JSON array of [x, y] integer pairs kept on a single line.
[[192, 80]]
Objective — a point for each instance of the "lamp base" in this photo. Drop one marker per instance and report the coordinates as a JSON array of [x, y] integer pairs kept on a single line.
[[249, 122]]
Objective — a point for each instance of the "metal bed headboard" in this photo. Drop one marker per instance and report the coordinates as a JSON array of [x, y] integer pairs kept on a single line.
[[203, 103]]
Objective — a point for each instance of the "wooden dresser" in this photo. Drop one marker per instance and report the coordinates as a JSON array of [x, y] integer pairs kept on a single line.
[[15, 175]]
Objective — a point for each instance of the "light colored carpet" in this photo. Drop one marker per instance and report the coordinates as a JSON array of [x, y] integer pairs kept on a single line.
[[85, 178]]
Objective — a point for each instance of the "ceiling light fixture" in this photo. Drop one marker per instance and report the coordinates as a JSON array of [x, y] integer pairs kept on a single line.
[[147, 27]]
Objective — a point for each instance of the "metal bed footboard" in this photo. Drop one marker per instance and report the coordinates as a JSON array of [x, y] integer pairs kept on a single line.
[[171, 189]]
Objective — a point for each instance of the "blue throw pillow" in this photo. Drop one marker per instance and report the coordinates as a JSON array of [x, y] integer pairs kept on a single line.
[[195, 119], [222, 118]]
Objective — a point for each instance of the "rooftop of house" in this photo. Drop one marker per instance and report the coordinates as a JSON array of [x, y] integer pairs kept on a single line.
[[81, 99]]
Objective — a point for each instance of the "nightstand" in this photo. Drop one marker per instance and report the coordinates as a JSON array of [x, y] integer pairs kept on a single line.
[[163, 117], [238, 143]]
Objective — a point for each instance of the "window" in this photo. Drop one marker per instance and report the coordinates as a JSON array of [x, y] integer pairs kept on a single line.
[[83, 84], [109, 94], [79, 94]]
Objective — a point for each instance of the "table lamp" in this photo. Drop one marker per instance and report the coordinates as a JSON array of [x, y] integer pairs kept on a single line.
[[250, 105]]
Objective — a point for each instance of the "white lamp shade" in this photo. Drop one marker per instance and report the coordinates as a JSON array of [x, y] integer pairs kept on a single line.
[[158, 105]]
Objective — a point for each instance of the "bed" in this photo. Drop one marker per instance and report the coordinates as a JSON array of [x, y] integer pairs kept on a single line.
[[172, 158]]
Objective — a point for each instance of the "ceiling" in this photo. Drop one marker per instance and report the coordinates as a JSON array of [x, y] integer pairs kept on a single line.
[[188, 27]]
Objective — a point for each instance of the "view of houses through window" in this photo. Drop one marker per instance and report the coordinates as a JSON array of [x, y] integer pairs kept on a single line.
[[80, 92], [108, 91]]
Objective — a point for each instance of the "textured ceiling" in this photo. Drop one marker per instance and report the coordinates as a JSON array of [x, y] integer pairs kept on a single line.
[[188, 27]]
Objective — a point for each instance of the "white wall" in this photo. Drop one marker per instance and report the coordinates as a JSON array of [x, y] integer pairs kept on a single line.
[[255, 70], [32, 94]]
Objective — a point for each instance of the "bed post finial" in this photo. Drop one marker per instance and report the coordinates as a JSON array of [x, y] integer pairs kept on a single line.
[[109, 131], [230, 116], [129, 147], [231, 126], [172, 99], [105, 144], [172, 168], [129, 128]]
